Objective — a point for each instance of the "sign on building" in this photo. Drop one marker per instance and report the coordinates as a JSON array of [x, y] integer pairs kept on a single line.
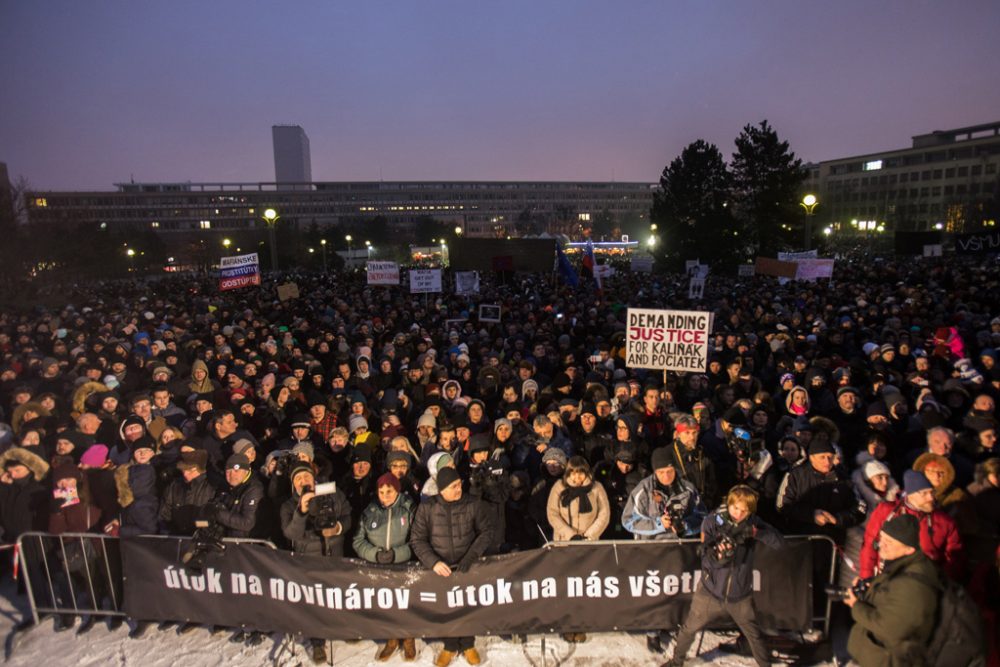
[[238, 271], [672, 340], [383, 273]]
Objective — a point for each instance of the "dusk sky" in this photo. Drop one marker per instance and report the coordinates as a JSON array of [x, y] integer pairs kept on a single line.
[[100, 92]]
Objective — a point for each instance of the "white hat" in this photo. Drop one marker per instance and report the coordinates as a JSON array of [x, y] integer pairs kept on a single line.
[[874, 467]]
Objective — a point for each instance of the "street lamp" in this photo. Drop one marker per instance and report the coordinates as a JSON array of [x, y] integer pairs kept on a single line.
[[652, 227], [368, 248], [226, 243], [271, 220], [322, 243], [458, 231], [808, 203], [131, 259], [651, 241]]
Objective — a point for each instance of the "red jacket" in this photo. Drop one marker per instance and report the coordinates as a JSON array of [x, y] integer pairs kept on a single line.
[[939, 539]]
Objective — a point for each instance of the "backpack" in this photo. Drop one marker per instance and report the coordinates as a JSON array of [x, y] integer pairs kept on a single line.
[[958, 639]]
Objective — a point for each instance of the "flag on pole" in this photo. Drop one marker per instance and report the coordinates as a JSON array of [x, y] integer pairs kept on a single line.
[[566, 269], [590, 262]]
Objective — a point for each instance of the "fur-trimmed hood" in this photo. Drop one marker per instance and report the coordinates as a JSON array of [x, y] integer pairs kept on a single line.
[[33, 462]]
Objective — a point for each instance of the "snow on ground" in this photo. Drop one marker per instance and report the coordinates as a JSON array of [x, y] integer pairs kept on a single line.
[[41, 646]]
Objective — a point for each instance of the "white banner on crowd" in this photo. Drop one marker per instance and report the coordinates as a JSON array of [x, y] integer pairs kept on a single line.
[[814, 269], [425, 281], [933, 250], [383, 273], [489, 312], [690, 264], [642, 264], [796, 256], [466, 282], [672, 340], [603, 271]]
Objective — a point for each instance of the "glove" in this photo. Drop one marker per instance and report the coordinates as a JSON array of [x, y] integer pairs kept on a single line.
[[576, 537], [464, 565], [385, 556]]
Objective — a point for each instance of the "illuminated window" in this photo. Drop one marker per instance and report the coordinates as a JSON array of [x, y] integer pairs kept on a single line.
[[874, 165], [205, 224], [584, 217], [41, 202], [154, 225]]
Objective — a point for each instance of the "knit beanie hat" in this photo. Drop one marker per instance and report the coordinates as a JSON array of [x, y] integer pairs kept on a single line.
[[446, 477], [663, 457], [915, 481], [388, 479], [905, 528], [873, 468]]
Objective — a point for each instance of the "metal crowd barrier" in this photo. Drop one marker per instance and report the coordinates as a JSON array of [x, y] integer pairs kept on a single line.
[[831, 578], [80, 573]]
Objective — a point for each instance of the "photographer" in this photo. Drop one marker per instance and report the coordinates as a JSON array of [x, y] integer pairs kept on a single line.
[[662, 506], [315, 525], [236, 507], [896, 615], [729, 536], [184, 500]]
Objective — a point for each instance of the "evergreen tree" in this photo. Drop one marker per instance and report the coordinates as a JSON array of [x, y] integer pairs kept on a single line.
[[767, 179], [691, 210]]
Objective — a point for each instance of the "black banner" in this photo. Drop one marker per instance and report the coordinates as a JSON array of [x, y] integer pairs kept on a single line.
[[573, 588], [968, 244]]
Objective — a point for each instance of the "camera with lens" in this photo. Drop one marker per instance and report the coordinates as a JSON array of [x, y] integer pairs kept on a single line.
[[859, 589], [673, 509], [207, 537], [740, 443], [324, 508], [732, 536], [284, 461]]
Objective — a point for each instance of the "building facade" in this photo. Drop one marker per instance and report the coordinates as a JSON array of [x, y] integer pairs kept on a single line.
[[292, 162], [948, 180]]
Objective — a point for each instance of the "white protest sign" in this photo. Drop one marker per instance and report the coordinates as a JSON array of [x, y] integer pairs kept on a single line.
[[383, 273], [690, 265], [696, 289], [672, 340], [745, 270], [933, 250], [642, 264], [796, 256], [604, 271], [425, 281], [813, 269], [466, 282], [489, 312]]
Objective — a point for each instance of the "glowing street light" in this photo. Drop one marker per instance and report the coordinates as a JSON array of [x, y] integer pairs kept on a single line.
[[271, 220], [827, 231], [348, 238], [651, 241], [652, 227], [322, 243], [809, 203], [458, 231]]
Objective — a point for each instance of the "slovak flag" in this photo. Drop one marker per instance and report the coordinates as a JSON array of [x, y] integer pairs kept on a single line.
[[590, 262]]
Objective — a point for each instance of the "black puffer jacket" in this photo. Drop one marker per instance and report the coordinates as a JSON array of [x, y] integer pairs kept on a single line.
[[805, 490], [239, 507], [304, 534], [457, 532], [184, 503]]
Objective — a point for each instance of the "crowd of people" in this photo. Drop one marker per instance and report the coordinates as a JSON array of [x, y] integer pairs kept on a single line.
[[835, 408]]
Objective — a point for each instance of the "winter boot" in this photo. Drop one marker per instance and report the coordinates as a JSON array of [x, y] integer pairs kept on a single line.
[[580, 637], [115, 622], [63, 622], [569, 637], [85, 625], [139, 630], [185, 628], [255, 638], [238, 637], [409, 649], [387, 650], [472, 656], [444, 658], [653, 643]]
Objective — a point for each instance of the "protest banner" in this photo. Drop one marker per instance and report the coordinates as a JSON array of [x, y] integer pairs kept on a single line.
[[642, 264], [933, 250], [767, 266], [813, 269], [966, 244], [796, 256], [583, 588], [489, 312], [672, 340], [691, 264], [425, 281], [383, 273], [745, 270], [466, 282], [238, 271]]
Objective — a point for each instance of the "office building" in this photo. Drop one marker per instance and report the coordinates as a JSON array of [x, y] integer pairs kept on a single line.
[[292, 164]]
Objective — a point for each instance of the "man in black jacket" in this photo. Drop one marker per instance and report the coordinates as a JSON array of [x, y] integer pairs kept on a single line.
[[813, 499], [450, 531], [185, 499], [238, 504], [729, 536]]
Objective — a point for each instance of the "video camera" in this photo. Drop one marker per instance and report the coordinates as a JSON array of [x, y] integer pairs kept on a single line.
[[324, 507], [673, 509], [207, 537]]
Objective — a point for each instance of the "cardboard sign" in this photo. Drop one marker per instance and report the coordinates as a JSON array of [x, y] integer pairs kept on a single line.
[[383, 273], [425, 281], [238, 271], [466, 282], [672, 340], [696, 288], [933, 250], [288, 291]]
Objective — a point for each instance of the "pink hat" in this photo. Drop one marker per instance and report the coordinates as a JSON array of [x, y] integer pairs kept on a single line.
[[95, 456]]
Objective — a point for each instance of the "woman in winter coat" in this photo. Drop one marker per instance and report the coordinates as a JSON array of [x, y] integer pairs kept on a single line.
[[578, 509], [382, 537], [873, 483], [797, 401]]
